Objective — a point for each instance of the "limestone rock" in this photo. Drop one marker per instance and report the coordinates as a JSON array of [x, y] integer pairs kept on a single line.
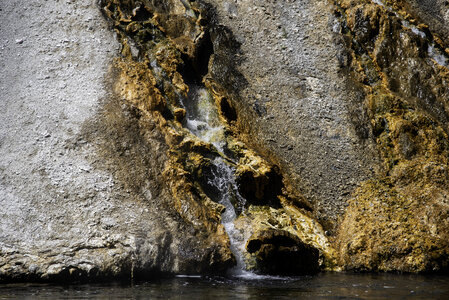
[[81, 189], [334, 119]]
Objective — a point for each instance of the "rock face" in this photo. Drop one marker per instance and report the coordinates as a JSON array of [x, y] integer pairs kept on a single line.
[[433, 13], [81, 191], [365, 98], [278, 252], [331, 119], [168, 76], [296, 105], [399, 221]]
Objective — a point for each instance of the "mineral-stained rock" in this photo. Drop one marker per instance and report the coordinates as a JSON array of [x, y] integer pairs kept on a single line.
[[279, 252], [333, 117], [283, 240], [396, 229], [295, 106], [433, 13], [399, 221], [189, 168]]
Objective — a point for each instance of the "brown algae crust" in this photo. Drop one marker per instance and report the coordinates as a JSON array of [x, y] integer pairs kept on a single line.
[[160, 53], [398, 221]]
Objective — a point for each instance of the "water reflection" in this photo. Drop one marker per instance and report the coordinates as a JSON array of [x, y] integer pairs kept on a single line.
[[323, 286]]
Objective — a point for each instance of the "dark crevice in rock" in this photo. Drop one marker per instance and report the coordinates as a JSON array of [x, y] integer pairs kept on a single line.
[[209, 189], [141, 14], [167, 114], [261, 189], [279, 252], [227, 110], [163, 81], [189, 70], [202, 57]]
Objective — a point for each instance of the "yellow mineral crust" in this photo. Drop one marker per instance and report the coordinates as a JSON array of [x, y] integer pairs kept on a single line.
[[399, 220], [150, 80], [258, 219]]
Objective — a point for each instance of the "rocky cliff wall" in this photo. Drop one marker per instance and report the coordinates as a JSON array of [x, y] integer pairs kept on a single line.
[[81, 190], [333, 116], [314, 101], [297, 104]]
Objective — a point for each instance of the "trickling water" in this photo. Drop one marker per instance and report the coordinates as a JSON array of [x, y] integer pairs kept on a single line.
[[378, 2], [202, 117], [437, 55], [414, 29], [223, 180], [202, 120]]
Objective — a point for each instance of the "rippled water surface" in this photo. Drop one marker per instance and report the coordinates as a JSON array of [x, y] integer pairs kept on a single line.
[[325, 286]]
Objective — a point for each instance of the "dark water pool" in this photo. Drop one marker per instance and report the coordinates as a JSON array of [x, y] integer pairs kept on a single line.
[[324, 286]]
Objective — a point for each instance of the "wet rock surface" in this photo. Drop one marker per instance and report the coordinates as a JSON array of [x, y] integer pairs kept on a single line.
[[296, 106], [399, 220], [165, 79], [283, 240], [434, 13], [329, 124]]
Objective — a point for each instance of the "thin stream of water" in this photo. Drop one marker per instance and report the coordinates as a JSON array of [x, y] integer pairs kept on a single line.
[[202, 117], [203, 121], [224, 180]]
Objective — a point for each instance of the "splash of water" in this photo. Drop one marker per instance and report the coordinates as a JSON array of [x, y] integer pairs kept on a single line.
[[223, 180], [202, 119], [437, 55], [378, 2]]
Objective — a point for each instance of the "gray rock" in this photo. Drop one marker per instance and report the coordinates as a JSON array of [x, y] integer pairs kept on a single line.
[[80, 188], [290, 56], [81, 192]]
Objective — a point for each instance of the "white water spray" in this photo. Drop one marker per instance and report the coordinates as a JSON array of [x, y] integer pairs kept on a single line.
[[223, 180], [202, 117], [202, 120]]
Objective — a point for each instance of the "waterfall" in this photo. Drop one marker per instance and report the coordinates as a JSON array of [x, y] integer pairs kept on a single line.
[[202, 117], [203, 121], [223, 180]]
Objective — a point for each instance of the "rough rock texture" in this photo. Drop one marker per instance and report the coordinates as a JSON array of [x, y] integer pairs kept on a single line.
[[434, 13], [284, 241], [279, 252], [400, 220], [334, 117], [296, 105], [80, 186], [159, 71], [318, 102]]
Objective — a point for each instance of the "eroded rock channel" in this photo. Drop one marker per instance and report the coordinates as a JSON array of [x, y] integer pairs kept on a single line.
[[225, 189], [244, 137]]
